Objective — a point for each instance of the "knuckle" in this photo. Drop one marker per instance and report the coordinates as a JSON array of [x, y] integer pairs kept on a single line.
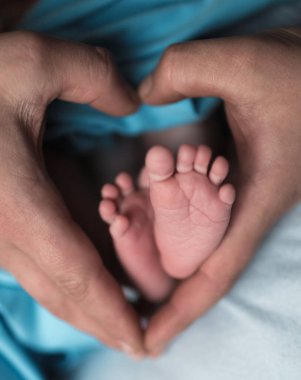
[[30, 46], [106, 59], [173, 50], [73, 286], [23, 61], [181, 320], [170, 60], [219, 285], [99, 65], [245, 60]]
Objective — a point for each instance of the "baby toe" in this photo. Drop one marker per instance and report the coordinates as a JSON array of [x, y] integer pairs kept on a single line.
[[119, 227], [125, 183], [227, 194], [219, 170], [159, 163], [107, 210], [202, 159], [185, 158], [110, 191]]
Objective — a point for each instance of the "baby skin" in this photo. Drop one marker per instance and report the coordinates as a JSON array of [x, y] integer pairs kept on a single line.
[[168, 226]]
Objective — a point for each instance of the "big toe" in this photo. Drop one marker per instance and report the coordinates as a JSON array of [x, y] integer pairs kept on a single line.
[[159, 163]]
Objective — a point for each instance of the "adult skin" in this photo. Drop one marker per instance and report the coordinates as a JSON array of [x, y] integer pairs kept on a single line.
[[40, 244], [259, 80]]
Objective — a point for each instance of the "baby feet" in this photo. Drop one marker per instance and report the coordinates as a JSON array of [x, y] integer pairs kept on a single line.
[[174, 221], [191, 208], [129, 213]]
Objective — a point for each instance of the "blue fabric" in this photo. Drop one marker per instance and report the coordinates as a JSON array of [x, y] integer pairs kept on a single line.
[[137, 32], [26, 327]]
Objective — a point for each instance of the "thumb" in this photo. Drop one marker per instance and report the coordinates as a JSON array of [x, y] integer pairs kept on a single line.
[[53, 68], [200, 68]]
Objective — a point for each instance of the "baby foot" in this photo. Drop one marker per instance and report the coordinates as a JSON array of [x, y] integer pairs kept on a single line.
[[129, 214], [191, 209]]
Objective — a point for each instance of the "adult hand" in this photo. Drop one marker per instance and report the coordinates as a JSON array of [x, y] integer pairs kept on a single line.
[[259, 80], [39, 242]]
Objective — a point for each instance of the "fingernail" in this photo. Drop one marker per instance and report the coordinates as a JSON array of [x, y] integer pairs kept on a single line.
[[156, 351], [137, 357], [130, 351], [146, 86]]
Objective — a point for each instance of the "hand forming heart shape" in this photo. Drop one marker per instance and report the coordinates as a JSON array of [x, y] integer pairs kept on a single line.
[[257, 77]]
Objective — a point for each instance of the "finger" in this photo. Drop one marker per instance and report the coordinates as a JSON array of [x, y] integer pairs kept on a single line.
[[64, 252], [38, 285], [70, 71], [199, 293], [190, 301], [81, 276], [33, 214], [89, 75], [197, 69]]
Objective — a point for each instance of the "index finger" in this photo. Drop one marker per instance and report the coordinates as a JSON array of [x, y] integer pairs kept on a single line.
[[34, 217], [62, 251]]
